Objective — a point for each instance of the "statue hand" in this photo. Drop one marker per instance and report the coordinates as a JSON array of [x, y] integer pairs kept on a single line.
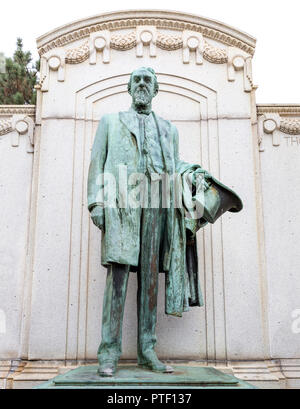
[[204, 179], [97, 215], [206, 185]]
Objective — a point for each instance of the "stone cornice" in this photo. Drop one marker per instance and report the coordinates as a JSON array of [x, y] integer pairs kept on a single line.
[[10, 110], [131, 19], [280, 109]]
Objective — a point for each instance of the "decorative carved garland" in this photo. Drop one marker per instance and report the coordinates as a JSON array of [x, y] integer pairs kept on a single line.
[[159, 23], [214, 54], [271, 123], [78, 55], [290, 126], [17, 125], [5, 126], [123, 42], [169, 42], [164, 41]]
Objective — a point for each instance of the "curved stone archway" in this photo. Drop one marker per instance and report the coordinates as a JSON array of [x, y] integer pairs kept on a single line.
[[206, 89]]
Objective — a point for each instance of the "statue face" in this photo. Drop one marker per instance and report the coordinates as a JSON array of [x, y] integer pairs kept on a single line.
[[142, 87]]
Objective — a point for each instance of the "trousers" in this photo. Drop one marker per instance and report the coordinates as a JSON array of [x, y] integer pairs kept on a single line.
[[151, 240]]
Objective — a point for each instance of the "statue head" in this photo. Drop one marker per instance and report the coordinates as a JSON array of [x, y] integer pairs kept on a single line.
[[143, 86]]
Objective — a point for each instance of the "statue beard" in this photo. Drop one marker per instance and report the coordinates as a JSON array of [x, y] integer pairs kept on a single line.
[[142, 97]]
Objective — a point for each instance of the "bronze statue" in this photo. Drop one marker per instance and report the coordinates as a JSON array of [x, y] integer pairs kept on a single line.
[[148, 238]]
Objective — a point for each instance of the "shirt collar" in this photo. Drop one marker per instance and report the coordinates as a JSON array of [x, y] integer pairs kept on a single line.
[[142, 114]]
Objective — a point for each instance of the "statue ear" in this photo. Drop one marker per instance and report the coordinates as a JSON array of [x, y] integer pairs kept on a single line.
[[129, 87]]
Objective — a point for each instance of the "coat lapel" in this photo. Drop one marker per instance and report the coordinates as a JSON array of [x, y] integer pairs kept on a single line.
[[130, 120]]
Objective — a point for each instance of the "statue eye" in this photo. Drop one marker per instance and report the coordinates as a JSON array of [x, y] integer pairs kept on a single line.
[[137, 79]]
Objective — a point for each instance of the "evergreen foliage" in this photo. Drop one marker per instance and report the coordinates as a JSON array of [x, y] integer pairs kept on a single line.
[[20, 76]]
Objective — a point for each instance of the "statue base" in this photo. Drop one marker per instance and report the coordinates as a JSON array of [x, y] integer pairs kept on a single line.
[[132, 377]]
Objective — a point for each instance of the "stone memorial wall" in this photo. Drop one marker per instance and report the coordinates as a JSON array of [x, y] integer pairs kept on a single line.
[[51, 300]]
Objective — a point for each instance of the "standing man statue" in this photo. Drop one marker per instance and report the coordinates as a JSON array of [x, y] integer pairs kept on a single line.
[[154, 236]]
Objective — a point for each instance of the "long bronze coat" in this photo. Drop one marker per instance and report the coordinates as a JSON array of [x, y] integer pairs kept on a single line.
[[117, 143]]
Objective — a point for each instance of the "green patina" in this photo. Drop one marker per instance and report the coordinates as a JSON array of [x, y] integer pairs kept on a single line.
[[146, 240], [130, 377]]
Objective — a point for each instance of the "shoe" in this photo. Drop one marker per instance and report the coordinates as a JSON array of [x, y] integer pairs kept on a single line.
[[151, 362], [107, 369]]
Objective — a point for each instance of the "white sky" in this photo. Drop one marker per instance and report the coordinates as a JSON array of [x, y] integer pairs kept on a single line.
[[274, 23]]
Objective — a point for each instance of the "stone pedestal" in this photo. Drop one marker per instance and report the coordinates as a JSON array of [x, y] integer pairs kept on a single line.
[[132, 377]]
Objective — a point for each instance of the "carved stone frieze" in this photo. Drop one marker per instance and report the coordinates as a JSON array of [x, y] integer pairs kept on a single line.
[[9, 110], [17, 125], [100, 42], [282, 110], [54, 60], [123, 42], [290, 126], [78, 55], [142, 37], [146, 36], [271, 123], [214, 54], [215, 33], [195, 49], [239, 61], [169, 42], [193, 42], [5, 126]]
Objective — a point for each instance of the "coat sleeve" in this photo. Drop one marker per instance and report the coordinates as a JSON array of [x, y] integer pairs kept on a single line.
[[96, 169]]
